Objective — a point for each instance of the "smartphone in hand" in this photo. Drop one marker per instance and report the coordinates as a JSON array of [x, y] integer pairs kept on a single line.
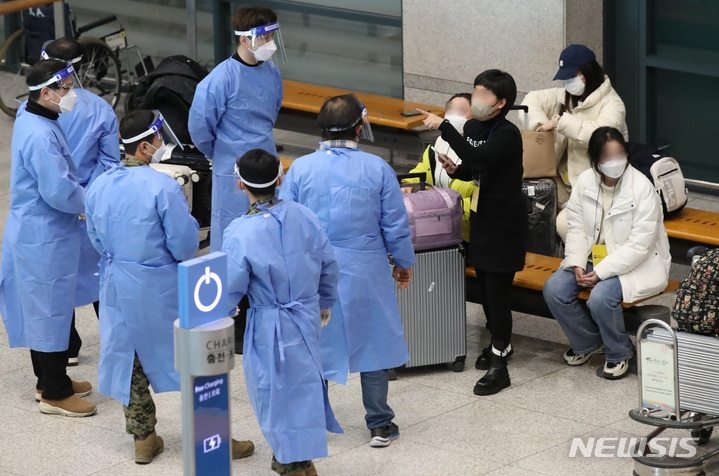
[[442, 157]]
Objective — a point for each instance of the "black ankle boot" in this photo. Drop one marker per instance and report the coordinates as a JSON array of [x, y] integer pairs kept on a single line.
[[485, 358], [496, 378]]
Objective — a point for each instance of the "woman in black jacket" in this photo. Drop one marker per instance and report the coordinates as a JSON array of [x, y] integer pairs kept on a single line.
[[491, 153]]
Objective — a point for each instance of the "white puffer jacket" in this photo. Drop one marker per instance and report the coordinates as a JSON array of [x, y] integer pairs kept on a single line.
[[603, 107], [637, 242]]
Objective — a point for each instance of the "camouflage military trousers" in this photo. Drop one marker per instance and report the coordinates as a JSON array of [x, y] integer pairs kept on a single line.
[[140, 412]]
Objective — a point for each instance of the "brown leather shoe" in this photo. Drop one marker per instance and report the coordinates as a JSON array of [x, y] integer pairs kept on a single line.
[[311, 471], [147, 449], [72, 406], [242, 449], [81, 389]]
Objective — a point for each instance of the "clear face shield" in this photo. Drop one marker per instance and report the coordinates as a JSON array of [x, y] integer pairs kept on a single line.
[[44, 55], [366, 132], [280, 174], [265, 41], [67, 81], [163, 131]]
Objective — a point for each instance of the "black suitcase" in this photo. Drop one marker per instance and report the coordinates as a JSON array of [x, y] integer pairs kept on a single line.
[[541, 196]]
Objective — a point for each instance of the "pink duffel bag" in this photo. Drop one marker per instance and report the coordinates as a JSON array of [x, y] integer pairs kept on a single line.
[[435, 215]]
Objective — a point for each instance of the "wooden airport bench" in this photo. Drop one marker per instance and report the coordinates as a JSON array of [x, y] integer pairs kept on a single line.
[[285, 164], [691, 227], [381, 110], [529, 284], [392, 130], [694, 225]]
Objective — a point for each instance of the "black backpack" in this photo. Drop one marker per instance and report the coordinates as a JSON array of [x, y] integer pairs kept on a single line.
[[696, 308], [170, 88]]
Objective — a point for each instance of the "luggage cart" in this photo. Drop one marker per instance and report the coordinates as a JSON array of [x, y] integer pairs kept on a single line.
[[676, 391]]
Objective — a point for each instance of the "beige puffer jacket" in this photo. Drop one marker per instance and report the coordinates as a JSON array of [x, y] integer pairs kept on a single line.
[[602, 107]]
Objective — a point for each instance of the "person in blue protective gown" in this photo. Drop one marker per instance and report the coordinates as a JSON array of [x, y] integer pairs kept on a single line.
[[359, 203], [93, 137], [139, 221], [41, 244], [280, 256], [234, 110]]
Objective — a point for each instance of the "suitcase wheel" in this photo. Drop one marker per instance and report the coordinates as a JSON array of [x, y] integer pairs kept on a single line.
[[458, 365]]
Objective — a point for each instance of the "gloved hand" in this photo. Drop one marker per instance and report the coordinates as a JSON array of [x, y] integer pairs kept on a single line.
[[325, 316]]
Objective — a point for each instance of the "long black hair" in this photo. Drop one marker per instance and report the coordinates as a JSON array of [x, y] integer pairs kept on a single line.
[[594, 77], [599, 139]]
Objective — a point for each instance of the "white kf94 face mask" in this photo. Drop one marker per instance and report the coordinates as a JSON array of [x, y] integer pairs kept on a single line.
[[457, 121], [265, 52], [67, 102], [575, 86], [614, 168], [158, 154]]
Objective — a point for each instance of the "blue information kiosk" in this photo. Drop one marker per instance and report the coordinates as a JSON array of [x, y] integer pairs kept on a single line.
[[204, 356]]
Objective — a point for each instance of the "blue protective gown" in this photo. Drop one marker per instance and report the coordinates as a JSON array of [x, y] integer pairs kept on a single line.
[[234, 110], [139, 221], [41, 246], [93, 137], [358, 201], [283, 261]]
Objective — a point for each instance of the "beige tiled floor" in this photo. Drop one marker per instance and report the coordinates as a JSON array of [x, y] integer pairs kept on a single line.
[[446, 430]]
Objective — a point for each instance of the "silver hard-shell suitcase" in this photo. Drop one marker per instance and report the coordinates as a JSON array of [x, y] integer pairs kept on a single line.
[[698, 369], [433, 309]]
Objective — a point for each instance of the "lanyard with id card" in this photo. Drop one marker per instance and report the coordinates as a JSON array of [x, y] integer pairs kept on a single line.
[[475, 197], [599, 252]]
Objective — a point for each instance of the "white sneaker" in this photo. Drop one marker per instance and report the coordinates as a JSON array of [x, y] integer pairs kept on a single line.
[[580, 359], [616, 370]]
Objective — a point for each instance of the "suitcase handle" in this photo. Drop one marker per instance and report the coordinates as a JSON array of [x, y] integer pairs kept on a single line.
[[525, 109], [419, 175]]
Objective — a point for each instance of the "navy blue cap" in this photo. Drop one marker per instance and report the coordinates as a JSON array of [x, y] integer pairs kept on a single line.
[[571, 59]]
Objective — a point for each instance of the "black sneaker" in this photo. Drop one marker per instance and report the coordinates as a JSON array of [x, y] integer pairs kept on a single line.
[[383, 436]]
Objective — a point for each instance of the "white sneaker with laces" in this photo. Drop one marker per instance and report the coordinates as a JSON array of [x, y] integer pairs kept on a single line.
[[580, 359], [616, 370]]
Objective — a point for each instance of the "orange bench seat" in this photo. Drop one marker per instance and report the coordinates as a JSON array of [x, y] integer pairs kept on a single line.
[[538, 268], [381, 110]]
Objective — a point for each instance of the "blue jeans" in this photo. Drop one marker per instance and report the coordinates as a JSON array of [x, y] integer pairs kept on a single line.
[[375, 386], [603, 322]]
